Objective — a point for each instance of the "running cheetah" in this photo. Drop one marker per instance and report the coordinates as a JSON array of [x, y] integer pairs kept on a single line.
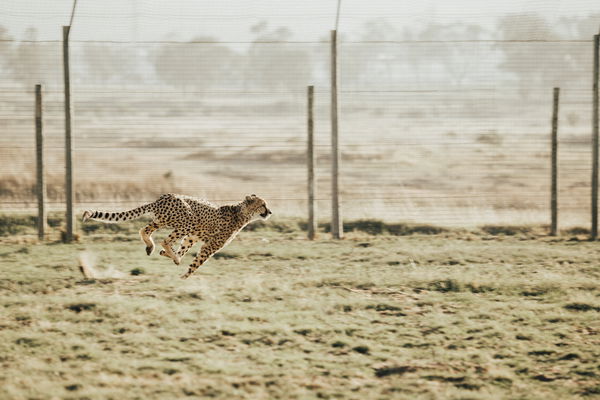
[[193, 220]]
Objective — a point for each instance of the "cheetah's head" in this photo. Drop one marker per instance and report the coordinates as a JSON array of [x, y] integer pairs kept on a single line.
[[257, 207]]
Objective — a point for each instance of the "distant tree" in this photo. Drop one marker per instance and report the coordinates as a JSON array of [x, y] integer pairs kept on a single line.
[[434, 54], [105, 63], [276, 66], [579, 55], [538, 64], [457, 59], [368, 63], [380, 55], [6, 48], [578, 27], [27, 60], [35, 62], [200, 64]]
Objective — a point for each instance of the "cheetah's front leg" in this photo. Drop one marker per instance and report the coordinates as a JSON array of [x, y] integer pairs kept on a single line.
[[206, 251], [164, 253], [166, 244], [187, 243]]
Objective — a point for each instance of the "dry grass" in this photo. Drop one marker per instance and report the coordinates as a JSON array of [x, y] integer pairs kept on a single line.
[[452, 315]]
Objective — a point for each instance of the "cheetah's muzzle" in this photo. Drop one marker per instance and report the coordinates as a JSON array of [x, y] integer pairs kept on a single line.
[[266, 214]]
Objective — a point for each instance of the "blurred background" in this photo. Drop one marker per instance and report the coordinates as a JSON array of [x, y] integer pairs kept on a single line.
[[445, 106]]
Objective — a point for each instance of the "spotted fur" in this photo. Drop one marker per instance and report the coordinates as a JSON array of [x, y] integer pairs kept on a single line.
[[192, 220]]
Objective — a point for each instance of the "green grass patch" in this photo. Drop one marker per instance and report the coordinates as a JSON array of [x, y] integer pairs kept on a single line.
[[508, 230], [137, 271], [581, 307], [378, 227]]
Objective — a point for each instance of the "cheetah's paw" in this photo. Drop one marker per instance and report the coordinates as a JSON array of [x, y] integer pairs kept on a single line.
[[175, 260]]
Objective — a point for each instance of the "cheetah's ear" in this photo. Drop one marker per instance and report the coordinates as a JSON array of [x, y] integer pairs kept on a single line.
[[248, 198]]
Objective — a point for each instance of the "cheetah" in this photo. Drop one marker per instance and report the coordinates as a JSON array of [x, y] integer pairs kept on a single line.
[[193, 220]]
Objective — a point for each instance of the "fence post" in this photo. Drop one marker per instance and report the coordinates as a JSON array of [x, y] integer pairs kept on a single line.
[[311, 165], [337, 229], [68, 145], [594, 230], [40, 178], [554, 179]]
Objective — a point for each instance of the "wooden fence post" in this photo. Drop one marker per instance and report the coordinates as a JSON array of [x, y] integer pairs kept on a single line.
[[311, 161], [594, 230], [337, 228], [554, 168], [40, 176], [69, 195]]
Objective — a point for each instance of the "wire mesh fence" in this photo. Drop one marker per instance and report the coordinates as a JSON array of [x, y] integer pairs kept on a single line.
[[447, 124]]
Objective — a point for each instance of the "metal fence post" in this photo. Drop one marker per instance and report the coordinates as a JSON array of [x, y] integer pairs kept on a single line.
[[337, 229], [554, 167], [311, 165], [594, 230], [69, 197], [40, 176]]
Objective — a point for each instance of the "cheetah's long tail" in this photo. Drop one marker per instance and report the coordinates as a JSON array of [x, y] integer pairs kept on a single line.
[[117, 216]]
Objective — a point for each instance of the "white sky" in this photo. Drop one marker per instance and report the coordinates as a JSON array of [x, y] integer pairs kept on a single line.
[[231, 20]]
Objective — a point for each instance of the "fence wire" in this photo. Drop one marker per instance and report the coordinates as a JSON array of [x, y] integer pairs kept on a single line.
[[445, 124]]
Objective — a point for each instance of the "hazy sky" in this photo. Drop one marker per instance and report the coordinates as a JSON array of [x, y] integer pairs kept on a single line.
[[231, 20]]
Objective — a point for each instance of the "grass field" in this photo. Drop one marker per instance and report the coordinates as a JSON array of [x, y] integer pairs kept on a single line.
[[487, 314]]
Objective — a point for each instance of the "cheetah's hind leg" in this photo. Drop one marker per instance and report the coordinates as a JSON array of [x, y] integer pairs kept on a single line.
[[146, 234]]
